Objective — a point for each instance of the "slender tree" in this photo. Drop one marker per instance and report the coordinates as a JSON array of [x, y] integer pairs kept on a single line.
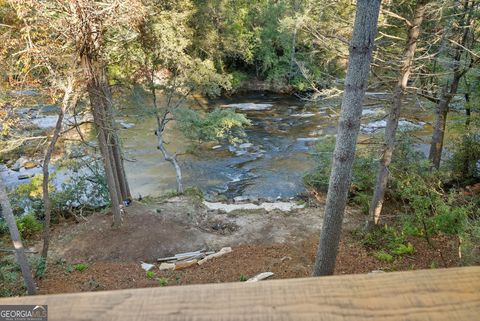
[[7, 214], [396, 106], [69, 99], [461, 63], [356, 81]]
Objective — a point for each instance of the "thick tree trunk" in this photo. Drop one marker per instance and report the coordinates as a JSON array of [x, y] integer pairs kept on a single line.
[[361, 47], [7, 214], [100, 100], [394, 115], [89, 45], [46, 162], [103, 143]]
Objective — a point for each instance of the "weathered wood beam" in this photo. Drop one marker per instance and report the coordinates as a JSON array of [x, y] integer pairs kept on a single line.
[[444, 294]]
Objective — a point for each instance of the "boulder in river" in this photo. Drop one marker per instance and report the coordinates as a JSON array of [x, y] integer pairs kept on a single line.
[[19, 164], [30, 165]]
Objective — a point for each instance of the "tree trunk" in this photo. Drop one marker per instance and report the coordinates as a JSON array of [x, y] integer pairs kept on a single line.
[[100, 100], [467, 157], [7, 214], [440, 124], [161, 123], [361, 47], [436, 147], [46, 162], [394, 115]]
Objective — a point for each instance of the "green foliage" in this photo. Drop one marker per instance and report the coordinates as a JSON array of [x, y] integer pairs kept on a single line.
[[243, 278], [464, 146], [81, 188], [363, 173], [402, 249], [81, 267], [194, 193], [28, 225], [383, 256], [470, 241], [162, 281], [238, 77], [220, 125], [39, 265], [150, 274]]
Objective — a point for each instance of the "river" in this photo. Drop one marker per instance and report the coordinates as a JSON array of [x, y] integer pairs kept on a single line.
[[269, 165]]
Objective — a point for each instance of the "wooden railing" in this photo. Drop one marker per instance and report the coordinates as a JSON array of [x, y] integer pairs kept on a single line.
[[444, 294]]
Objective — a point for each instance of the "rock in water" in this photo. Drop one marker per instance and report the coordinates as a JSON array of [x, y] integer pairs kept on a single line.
[[29, 165], [19, 164]]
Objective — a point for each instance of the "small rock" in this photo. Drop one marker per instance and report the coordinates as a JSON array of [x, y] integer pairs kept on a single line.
[[245, 145], [217, 147], [167, 266], [147, 266], [377, 271], [25, 176], [126, 125], [29, 165], [239, 199]]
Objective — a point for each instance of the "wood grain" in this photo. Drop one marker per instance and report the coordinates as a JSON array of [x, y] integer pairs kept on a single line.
[[444, 294]]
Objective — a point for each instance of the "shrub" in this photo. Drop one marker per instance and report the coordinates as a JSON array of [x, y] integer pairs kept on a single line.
[[150, 274], [383, 256], [81, 267], [402, 249], [163, 281], [28, 225]]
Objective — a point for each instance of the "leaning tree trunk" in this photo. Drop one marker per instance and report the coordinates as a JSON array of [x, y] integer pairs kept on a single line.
[[161, 123], [7, 214], [361, 47], [394, 115], [46, 162]]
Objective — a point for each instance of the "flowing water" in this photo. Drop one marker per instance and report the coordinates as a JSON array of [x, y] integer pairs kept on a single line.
[[269, 165]]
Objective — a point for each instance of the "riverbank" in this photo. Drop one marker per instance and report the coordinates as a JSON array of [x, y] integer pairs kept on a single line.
[[282, 242]]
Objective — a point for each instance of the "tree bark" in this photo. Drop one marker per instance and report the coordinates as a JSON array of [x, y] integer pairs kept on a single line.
[[394, 115], [46, 162], [89, 45], [441, 112], [7, 214], [104, 127], [361, 47]]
